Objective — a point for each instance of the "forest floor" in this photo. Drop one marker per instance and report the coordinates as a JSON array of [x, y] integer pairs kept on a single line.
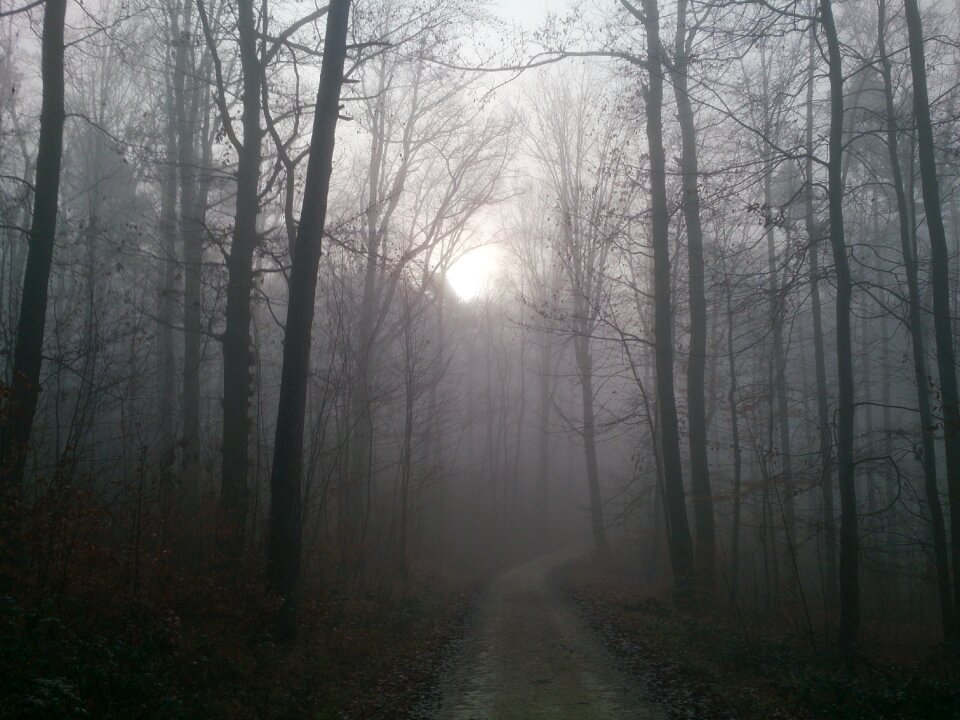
[[529, 656], [559, 637], [709, 668], [363, 655]]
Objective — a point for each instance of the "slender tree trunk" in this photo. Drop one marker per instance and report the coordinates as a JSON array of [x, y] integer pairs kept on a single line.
[[381, 203], [778, 387], [705, 548], [283, 549], [585, 370], [237, 353], [410, 394], [168, 292], [823, 412], [361, 458], [521, 441], [928, 458], [779, 360], [886, 398], [737, 454], [191, 228], [14, 264], [940, 280], [433, 452], [654, 553], [543, 450], [681, 545], [849, 535], [28, 350], [867, 370]]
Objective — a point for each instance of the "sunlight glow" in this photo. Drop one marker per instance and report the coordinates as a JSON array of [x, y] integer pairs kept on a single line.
[[472, 274]]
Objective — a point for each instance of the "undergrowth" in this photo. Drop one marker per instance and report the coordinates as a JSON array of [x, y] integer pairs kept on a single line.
[[756, 674], [358, 655]]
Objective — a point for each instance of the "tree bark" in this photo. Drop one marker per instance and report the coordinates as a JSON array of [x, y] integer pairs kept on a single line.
[[705, 547], [237, 353], [191, 230], [940, 280], [28, 351], [585, 371], [778, 376], [823, 413], [737, 453], [778, 363], [283, 549], [678, 533], [409, 418], [168, 291], [542, 491], [849, 536]]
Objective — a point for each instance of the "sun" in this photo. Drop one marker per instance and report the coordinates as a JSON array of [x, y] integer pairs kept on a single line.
[[473, 273]]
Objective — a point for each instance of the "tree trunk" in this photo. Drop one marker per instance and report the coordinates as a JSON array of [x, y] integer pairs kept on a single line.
[[681, 545], [849, 536], [25, 379], [191, 230], [521, 418], [433, 451], [362, 451], [362, 406], [928, 458], [705, 548], [777, 389], [283, 549], [778, 376], [542, 493], [409, 417], [940, 279], [237, 355], [737, 454], [823, 412], [585, 371], [168, 291]]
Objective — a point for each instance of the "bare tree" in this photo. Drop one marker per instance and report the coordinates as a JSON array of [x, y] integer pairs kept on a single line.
[[849, 534], [813, 230], [237, 352], [583, 164], [678, 527], [940, 277], [192, 120], [705, 544], [25, 381], [929, 457], [283, 551]]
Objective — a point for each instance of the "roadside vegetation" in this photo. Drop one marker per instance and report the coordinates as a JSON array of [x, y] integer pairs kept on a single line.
[[192, 646], [711, 666]]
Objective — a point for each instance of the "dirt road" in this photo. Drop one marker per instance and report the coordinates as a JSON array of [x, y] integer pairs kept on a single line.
[[531, 657]]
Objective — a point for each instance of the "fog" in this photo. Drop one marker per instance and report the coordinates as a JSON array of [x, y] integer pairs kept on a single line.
[[671, 285]]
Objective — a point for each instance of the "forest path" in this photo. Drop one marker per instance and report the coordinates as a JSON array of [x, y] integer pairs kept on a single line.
[[531, 657]]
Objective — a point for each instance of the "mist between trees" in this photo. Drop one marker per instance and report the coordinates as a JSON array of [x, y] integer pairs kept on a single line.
[[716, 334]]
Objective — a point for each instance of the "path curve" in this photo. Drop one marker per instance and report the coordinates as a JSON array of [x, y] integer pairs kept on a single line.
[[531, 657]]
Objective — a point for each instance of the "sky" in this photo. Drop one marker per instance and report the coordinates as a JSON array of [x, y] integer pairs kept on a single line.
[[528, 13], [471, 275], [476, 271]]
